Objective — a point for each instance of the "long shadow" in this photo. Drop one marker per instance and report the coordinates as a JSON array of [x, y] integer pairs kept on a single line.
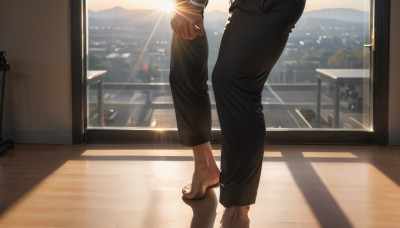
[[21, 171], [320, 200]]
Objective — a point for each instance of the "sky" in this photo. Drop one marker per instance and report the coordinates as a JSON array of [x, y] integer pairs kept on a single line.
[[222, 5]]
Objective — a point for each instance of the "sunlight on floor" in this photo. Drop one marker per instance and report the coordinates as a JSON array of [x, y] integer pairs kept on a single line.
[[329, 155], [142, 188]]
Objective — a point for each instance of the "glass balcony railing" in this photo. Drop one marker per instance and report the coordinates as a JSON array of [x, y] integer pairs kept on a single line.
[[286, 105]]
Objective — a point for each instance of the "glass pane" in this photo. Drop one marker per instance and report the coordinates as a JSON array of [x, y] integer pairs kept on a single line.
[[322, 79]]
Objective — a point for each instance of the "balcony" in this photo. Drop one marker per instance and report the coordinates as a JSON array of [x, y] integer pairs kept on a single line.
[[289, 100]]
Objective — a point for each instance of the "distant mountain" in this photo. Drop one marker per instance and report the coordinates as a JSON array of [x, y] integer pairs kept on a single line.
[[113, 12], [340, 14], [217, 18], [118, 12], [119, 16]]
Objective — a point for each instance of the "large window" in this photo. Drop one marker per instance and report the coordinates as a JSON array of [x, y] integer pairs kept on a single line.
[[322, 82]]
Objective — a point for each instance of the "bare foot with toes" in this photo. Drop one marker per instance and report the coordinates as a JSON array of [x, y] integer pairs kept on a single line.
[[201, 181], [206, 173]]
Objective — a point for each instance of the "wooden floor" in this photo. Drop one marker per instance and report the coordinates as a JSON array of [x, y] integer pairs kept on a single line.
[[115, 186]]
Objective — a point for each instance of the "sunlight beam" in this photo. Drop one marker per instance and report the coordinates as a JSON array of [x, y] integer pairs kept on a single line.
[[165, 5]]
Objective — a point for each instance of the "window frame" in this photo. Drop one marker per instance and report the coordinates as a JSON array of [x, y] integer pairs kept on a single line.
[[380, 98]]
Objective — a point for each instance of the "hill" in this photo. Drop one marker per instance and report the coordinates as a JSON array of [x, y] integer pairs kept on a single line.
[[119, 16]]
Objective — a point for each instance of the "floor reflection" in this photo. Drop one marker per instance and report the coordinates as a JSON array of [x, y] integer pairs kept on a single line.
[[204, 210]]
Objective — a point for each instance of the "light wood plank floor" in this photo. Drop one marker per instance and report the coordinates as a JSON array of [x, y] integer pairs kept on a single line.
[[116, 186]]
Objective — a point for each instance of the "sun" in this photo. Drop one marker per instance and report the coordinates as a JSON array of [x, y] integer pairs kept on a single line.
[[166, 5]]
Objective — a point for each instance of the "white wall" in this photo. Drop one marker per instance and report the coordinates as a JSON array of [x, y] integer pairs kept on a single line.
[[394, 86], [36, 36]]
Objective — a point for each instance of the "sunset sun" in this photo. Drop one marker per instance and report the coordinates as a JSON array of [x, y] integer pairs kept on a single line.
[[166, 5]]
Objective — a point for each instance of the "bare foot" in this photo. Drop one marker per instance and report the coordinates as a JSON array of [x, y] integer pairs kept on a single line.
[[206, 173], [236, 217], [202, 180]]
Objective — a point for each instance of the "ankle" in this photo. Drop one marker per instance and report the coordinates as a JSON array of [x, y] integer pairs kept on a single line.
[[203, 158], [236, 216], [239, 209]]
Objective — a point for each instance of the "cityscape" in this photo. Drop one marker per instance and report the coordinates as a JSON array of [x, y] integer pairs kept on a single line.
[[133, 48]]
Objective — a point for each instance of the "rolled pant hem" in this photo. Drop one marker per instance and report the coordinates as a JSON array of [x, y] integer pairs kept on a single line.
[[237, 198], [196, 140]]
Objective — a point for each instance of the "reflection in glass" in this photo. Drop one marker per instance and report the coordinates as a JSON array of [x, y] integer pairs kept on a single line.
[[132, 43]]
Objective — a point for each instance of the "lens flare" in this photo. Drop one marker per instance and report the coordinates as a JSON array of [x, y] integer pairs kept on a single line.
[[166, 5]]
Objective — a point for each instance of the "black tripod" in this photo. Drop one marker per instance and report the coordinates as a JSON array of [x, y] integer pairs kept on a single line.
[[4, 67]]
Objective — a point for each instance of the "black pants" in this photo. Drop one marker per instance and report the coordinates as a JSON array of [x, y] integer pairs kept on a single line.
[[253, 40], [188, 80]]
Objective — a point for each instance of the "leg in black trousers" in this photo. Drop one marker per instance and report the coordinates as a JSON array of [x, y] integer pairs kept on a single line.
[[188, 79], [252, 42]]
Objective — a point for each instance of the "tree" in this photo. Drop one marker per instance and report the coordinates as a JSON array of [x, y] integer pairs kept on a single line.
[[320, 55], [96, 62], [344, 58]]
